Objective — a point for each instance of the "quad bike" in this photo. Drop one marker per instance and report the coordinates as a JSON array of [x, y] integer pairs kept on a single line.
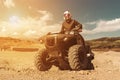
[[63, 51]]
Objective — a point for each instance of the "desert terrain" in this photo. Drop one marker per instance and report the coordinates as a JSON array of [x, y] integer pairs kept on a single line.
[[17, 61], [16, 65]]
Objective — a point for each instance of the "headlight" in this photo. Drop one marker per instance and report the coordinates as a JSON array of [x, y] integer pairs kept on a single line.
[[65, 39], [41, 41]]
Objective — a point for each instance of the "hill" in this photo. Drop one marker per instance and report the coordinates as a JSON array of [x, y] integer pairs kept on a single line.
[[8, 43], [105, 43]]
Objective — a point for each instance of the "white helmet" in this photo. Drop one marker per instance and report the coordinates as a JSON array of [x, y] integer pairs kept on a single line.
[[67, 15]]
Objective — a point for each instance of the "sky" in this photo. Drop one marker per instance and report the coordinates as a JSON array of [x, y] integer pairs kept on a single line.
[[34, 18]]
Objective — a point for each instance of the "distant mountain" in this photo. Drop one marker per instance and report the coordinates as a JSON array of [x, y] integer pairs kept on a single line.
[[105, 43], [7, 42], [107, 38]]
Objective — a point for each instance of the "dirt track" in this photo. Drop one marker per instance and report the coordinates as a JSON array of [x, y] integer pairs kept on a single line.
[[20, 66]]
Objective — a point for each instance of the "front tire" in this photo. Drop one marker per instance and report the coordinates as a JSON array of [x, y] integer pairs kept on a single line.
[[77, 58], [41, 61]]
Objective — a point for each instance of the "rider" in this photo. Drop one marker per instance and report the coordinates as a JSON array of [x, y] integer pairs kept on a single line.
[[70, 24]]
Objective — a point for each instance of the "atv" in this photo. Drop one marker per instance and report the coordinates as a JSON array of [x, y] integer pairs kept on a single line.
[[63, 51]]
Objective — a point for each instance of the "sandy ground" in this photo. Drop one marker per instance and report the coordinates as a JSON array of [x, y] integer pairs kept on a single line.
[[20, 66]]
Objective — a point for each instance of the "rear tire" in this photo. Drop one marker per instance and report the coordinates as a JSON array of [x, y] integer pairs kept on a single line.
[[77, 57], [41, 62]]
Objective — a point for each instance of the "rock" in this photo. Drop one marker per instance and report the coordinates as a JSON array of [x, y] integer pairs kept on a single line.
[[84, 72]]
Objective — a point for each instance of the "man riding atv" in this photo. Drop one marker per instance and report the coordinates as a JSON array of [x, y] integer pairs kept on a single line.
[[70, 24], [66, 50]]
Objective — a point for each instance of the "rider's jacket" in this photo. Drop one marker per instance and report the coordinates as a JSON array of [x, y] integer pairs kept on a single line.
[[69, 25]]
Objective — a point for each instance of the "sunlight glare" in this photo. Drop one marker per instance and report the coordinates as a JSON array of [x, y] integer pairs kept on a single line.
[[14, 20]]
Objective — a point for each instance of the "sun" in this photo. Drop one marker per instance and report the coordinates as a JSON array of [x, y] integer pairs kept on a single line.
[[14, 19]]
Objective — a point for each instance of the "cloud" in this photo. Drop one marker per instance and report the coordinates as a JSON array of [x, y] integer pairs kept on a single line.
[[9, 3], [104, 26], [47, 16], [91, 23], [30, 33], [29, 27]]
